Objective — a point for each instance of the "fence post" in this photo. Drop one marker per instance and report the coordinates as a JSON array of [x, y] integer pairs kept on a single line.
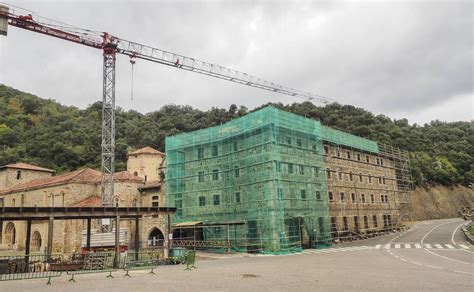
[[117, 241], [49, 248], [28, 241]]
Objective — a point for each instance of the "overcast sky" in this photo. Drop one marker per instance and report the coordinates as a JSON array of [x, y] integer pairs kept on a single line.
[[402, 59]]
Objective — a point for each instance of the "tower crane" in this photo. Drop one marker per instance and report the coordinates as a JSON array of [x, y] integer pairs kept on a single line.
[[111, 46]]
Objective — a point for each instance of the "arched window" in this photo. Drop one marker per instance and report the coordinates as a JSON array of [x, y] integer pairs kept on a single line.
[[135, 202], [117, 202], [135, 173], [155, 201], [156, 238], [36, 241], [10, 234]]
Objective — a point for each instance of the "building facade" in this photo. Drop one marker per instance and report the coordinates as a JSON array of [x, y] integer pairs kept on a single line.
[[272, 181], [81, 188]]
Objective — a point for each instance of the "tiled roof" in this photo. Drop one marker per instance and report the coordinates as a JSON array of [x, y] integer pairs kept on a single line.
[[146, 150], [92, 201], [82, 176], [22, 165], [151, 185]]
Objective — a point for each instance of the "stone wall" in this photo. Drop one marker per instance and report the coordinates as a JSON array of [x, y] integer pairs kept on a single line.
[[8, 176]]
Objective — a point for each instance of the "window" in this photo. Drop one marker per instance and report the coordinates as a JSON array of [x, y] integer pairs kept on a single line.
[[338, 153], [217, 200], [236, 148], [366, 222], [362, 198], [315, 171], [288, 140], [356, 223], [201, 176], [383, 179], [290, 168], [353, 198], [351, 177], [372, 198], [333, 224], [386, 198], [303, 195], [343, 198], [215, 174], [237, 197], [377, 161], [301, 170], [380, 180], [318, 195], [18, 174], [382, 198], [361, 179], [346, 223], [135, 203], [280, 193], [117, 201], [381, 161], [2, 202], [202, 201], [358, 157], [200, 153], [299, 143], [236, 171], [277, 166], [374, 221], [326, 149], [215, 151], [370, 178], [348, 155], [146, 178], [331, 196], [328, 173], [13, 203], [155, 201], [135, 173], [22, 201], [367, 158], [340, 175]]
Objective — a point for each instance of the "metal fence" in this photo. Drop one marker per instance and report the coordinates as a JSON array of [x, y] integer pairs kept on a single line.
[[30, 267]]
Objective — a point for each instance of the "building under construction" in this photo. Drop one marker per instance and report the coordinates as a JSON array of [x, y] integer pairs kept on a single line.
[[275, 182]]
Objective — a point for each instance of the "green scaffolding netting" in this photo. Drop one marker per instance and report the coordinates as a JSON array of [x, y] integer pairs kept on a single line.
[[258, 180]]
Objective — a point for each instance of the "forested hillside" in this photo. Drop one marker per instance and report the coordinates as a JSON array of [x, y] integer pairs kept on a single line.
[[44, 132]]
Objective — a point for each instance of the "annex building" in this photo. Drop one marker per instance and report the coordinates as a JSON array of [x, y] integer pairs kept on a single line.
[[275, 182], [25, 185]]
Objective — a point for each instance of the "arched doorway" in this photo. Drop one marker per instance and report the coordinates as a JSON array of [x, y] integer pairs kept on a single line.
[[156, 238], [10, 234], [36, 241]]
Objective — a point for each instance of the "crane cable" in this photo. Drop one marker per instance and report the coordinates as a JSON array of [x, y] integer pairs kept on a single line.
[[132, 61]]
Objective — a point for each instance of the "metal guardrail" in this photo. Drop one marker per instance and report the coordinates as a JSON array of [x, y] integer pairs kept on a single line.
[[30, 267], [100, 262], [143, 260]]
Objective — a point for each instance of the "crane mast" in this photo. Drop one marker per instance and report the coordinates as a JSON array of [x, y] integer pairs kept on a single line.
[[111, 46]]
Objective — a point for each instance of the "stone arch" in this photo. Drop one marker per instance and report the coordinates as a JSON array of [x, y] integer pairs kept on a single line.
[[156, 237], [10, 234], [36, 241]]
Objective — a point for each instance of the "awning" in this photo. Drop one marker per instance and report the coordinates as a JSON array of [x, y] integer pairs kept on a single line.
[[185, 224]]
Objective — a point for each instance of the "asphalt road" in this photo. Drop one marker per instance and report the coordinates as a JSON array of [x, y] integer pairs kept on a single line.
[[431, 256]]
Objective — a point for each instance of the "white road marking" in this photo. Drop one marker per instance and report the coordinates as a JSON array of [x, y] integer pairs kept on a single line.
[[452, 236], [428, 245], [417, 245], [438, 246], [464, 246], [416, 263], [434, 267], [404, 260], [397, 245], [387, 246], [407, 245], [378, 246], [449, 246]]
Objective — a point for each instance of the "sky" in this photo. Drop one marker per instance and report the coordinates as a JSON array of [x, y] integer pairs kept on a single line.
[[403, 59]]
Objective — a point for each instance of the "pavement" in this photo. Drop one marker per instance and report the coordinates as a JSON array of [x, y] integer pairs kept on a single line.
[[430, 256]]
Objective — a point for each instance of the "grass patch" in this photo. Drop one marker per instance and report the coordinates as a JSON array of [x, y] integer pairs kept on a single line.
[[470, 229]]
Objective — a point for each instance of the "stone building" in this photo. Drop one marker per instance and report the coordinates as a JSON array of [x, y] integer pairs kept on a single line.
[[272, 181], [82, 188]]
